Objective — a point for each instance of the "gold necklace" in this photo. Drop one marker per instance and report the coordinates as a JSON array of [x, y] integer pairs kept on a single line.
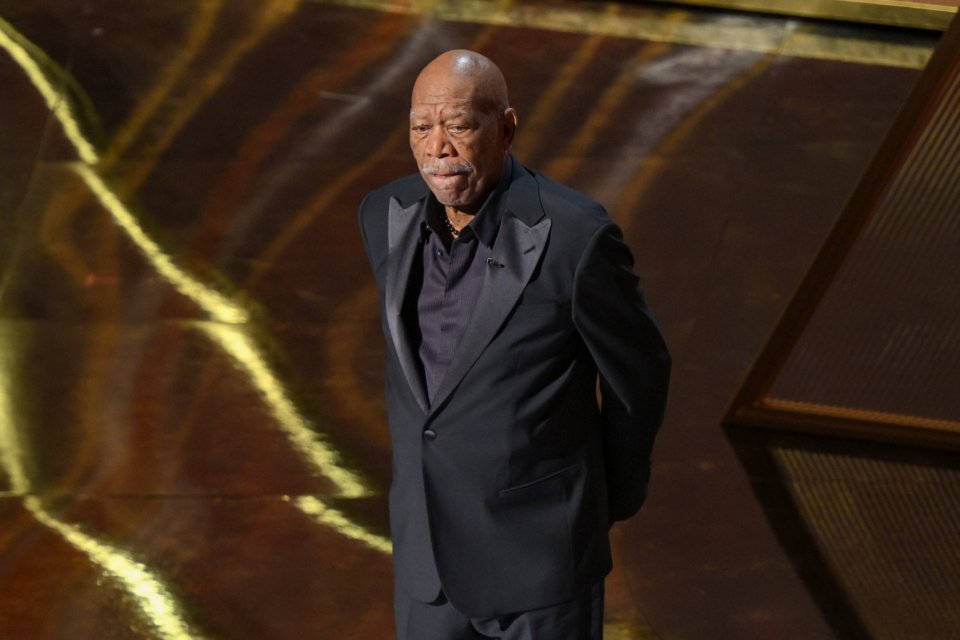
[[449, 225]]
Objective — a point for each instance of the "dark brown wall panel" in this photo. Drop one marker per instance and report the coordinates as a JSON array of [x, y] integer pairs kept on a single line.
[[849, 423]]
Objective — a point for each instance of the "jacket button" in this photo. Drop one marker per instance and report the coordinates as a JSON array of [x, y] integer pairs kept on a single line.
[[430, 434]]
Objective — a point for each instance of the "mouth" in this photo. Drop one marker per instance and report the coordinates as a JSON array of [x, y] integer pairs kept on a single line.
[[448, 172], [444, 178]]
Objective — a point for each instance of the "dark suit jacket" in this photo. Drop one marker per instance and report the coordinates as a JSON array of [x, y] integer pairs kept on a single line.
[[504, 488]]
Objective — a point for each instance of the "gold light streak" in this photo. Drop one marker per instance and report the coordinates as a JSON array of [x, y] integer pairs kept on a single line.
[[550, 99], [629, 199], [58, 104], [215, 304], [327, 515], [156, 603], [270, 16], [158, 606], [63, 204], [305, 217], [237, 342], [574, 154], [241, 174], [12, 456], [169, 121], [319, 454], [201, 27], [153, 598]]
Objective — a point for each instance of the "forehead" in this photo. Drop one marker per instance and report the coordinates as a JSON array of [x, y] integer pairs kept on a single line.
[[444, 109], [441, 88]]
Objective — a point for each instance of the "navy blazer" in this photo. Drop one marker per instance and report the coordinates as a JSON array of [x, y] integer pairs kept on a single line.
[[505, 487]]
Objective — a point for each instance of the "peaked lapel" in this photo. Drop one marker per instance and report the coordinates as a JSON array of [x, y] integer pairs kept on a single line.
[[402, 245], [514, 258]]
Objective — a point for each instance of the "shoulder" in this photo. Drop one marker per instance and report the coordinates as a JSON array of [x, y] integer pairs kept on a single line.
[[572, 214], [407, 190], [376, 204], [375, 207]]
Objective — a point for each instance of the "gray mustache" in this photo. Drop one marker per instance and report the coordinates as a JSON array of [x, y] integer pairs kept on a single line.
[[433, 169]]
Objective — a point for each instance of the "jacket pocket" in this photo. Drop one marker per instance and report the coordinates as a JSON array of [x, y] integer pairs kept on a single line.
[[538, 481]]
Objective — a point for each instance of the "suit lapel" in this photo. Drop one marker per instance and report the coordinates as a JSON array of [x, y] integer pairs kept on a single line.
[[403, 242], [515, 256]]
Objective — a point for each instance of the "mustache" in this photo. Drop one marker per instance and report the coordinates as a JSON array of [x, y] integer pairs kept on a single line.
[[434, 169]]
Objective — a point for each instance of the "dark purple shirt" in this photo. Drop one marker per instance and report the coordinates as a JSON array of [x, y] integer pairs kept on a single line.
[[451, 281]]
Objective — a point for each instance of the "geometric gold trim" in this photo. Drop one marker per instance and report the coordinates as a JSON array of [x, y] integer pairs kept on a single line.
[[880, 418], [620, 20], [918, 15]]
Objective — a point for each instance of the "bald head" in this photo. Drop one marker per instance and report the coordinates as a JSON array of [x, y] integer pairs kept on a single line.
[[462, 74], [461, 128]]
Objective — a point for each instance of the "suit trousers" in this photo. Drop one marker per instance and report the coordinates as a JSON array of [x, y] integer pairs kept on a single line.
[[578, 619]]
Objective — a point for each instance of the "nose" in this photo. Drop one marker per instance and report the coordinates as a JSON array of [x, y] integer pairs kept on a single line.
[[438, 144]]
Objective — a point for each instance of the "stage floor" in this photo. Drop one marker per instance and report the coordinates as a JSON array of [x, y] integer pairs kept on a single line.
[[192, 439]]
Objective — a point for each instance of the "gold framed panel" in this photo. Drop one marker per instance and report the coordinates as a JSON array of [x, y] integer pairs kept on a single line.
[[920, 149]]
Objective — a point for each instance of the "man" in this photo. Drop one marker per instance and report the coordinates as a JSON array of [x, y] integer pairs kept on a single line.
[[505, 297]]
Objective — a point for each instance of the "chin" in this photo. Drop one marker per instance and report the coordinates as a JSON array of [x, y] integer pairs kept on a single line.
[[451, 201]]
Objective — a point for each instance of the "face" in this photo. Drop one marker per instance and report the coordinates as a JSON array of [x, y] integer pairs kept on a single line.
[[459, 145]]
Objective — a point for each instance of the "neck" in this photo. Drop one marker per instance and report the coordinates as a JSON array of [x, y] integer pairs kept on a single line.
[[458, 218]]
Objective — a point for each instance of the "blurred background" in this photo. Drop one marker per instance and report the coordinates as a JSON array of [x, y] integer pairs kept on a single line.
[[192, 437]]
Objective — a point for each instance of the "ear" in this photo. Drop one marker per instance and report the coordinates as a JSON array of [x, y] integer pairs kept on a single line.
[[509, 121]]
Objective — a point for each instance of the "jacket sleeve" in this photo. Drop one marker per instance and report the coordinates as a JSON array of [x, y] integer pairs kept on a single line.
[[373, 228], [632, 361]]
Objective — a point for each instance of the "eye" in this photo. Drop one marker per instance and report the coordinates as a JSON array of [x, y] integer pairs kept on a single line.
[[457, 128], [420, 128]]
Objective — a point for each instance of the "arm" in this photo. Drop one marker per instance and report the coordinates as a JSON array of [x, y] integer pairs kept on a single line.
[[632, 361]]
